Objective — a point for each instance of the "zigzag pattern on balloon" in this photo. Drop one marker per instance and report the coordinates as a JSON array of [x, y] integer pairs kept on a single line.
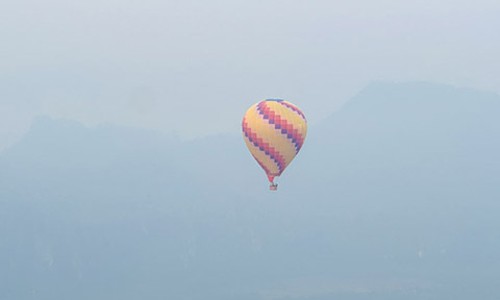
[[294, 108], [263, 146], [274, 131], [281, 125]]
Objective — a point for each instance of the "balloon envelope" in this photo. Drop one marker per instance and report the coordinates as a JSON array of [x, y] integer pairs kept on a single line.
[[274, 130]]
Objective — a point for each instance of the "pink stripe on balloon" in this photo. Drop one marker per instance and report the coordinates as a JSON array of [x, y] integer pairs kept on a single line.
[[264, 147], [281, 125]]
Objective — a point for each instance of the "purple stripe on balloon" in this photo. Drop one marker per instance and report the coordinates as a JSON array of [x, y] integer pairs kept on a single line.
[[294, 108], [281, 125], [264, 147]]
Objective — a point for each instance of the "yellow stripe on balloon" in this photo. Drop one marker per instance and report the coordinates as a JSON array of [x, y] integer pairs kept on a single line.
[[270, 135]]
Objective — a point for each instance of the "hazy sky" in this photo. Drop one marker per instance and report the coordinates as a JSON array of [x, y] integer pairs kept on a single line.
[[193, 67]]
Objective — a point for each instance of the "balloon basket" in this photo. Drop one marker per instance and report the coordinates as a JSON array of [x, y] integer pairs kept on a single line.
[[273, 187]]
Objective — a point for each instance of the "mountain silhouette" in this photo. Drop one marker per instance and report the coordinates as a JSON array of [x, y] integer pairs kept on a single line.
[[395, 196]]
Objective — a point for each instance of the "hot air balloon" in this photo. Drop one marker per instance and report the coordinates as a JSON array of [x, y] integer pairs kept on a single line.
[[274, 131]]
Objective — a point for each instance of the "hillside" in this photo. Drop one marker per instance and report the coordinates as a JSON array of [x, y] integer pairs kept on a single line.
[[395, 196]]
